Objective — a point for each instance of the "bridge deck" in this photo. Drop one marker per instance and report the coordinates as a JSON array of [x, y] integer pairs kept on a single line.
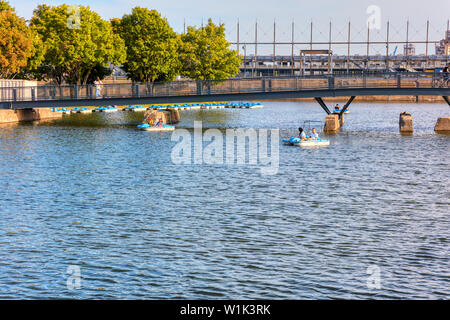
[[223, 90]]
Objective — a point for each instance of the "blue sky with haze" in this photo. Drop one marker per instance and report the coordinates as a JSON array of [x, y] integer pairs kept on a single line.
[[283, 12]]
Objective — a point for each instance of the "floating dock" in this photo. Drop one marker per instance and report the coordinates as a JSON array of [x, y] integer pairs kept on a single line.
[[80, 110], [208, 106]]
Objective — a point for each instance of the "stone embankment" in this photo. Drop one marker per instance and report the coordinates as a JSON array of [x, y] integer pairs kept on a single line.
[[19, 115]]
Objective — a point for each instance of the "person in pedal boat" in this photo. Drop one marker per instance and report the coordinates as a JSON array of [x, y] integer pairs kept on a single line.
[[302, 134], [314, 135], [150, 121], [337, 108], [160, 123]]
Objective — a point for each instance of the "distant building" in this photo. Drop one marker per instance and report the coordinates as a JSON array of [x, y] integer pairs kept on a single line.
[[443, 48], [409, 49]]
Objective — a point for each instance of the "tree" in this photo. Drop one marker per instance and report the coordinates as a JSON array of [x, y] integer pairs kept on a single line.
[[18, 43], [205, 54], [98, 71], [152, 46], [76, 40], [4, 5]]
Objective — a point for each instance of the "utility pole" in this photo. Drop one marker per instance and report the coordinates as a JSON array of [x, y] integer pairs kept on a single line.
[[292, 49], [387, 46], [329, 48], [310, 47], [245, 60], [368, 47], [256, 48], [348, 49], [426, 43], [237, 37], [407, 44], [274, 40]]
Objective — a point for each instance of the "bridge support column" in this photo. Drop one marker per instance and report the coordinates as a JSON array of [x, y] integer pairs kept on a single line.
[[406, 123], [442, 125], [446, 99], [19, 115], [341, 120], [341, 113], [332, 124], [169, 117], [323, 105], [174, 116]]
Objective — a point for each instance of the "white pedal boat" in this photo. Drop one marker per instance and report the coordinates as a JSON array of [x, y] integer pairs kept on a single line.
[[295, 141], [147, 127]]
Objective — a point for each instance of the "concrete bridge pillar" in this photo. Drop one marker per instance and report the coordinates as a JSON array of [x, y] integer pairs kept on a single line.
[[19, 115], [406, 123], [341, 120], [174, 116], [442, 125], [332, 124], [169, 117]]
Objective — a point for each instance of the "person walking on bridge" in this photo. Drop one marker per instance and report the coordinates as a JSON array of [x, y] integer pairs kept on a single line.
[[98, 87]]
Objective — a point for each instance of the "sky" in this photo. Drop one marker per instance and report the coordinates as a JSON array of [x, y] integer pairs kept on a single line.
[[283, 13]]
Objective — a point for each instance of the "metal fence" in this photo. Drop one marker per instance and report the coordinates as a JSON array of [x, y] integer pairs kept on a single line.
[[228, 86]]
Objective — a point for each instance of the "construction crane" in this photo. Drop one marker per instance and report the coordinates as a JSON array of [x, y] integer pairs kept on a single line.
[[395, 51]]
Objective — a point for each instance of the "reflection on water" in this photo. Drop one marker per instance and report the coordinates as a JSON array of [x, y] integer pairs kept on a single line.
[[92, 191]]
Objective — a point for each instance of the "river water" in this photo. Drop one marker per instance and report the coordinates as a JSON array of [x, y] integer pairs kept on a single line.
[[366, 217]]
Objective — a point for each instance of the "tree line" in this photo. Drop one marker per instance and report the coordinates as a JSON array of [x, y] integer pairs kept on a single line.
[[73, 44]]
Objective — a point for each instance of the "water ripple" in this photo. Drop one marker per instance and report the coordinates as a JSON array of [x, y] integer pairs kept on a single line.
[[91, 191]]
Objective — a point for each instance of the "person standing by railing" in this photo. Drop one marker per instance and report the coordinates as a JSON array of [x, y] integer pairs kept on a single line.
[[98, 87]]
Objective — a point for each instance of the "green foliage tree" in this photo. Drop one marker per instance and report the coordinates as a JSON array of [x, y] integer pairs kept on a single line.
[[152, 46], [205, 53], [4, 5], [75, 41], [19, 45]]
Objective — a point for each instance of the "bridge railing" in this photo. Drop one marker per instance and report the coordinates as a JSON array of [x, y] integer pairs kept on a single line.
[[215, 87]]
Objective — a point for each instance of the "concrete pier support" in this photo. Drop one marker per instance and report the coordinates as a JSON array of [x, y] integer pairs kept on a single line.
[[406, 123], [19, 115], [442, 125], [341, 120], [174, 116], [169, 117], [332, 124]]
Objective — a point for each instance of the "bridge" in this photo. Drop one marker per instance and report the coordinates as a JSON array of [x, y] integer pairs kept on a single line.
[[264, 88]]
